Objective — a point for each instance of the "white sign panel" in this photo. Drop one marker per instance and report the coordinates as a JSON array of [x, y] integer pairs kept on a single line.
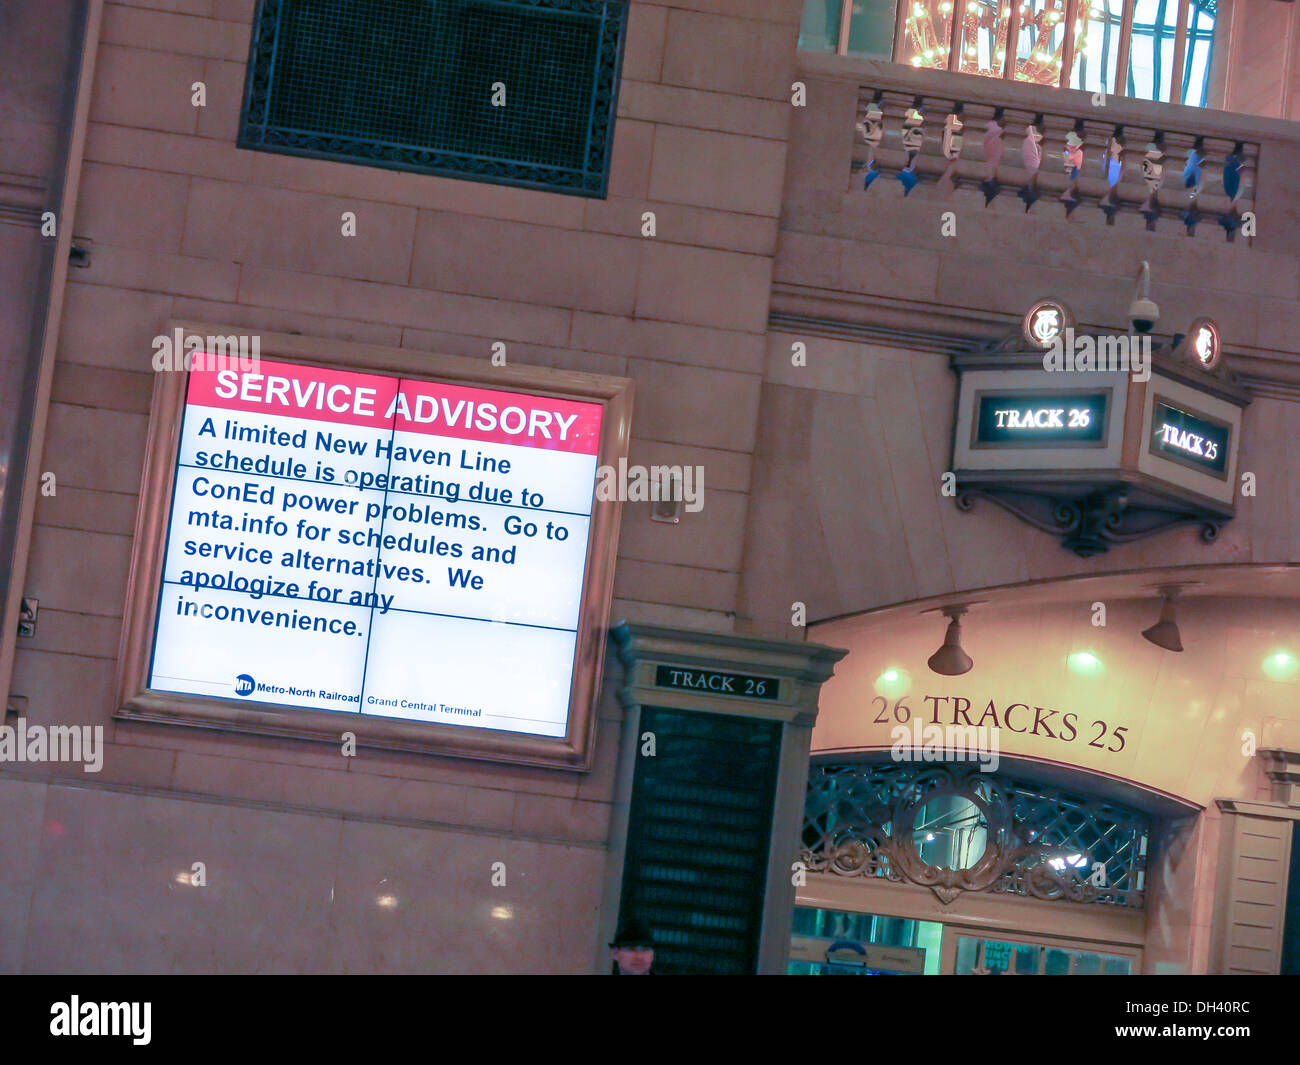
[[377, 545]]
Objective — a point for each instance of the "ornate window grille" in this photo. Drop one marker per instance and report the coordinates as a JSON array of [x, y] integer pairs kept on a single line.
[[952, 828], [1164, 47], [517, 92]]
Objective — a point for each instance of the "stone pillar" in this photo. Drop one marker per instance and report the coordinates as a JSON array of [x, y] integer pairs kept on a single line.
[[739, 679]]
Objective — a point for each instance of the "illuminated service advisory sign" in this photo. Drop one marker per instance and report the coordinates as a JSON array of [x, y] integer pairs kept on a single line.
[[377, 545]]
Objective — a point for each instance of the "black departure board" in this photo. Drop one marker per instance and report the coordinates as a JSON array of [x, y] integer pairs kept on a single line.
[[699, 832]]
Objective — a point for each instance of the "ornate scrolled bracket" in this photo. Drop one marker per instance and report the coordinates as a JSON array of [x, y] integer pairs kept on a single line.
[[1090, 524], [1005, 848]]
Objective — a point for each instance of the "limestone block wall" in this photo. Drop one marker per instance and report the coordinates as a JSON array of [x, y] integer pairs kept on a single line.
[[846, 513], [182, 223]]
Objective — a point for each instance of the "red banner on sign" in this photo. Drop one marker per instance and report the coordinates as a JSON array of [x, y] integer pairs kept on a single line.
[[406, 405]]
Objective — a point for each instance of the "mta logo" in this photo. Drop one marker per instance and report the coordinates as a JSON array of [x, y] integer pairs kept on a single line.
[[244, 684]]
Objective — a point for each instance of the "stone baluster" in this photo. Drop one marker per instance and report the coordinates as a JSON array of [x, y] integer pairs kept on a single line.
[[993, 149], [1153, 172], [872, 129], [1234, 164], [913, 141], [1072, 160], [1193, 177], [1031, 157], [1113, 164], [951, 148], [1129, 171]]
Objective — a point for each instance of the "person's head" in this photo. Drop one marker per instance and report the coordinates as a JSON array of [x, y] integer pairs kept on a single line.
[[632, 949]]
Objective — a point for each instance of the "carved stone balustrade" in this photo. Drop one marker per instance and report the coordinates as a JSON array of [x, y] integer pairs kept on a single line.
[[1055, 161]]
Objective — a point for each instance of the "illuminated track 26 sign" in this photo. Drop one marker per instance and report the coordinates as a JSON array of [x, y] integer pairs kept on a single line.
[[1112, 451]]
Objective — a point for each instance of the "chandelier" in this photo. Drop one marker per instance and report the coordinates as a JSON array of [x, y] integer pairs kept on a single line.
[[928, 31]]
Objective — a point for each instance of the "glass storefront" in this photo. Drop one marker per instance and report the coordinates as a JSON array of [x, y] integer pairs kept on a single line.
[[997, 957], [817, 931], [828, 942], [998, 850]]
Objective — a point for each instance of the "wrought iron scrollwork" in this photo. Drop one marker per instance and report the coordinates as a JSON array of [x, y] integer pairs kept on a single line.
[[862, 820], [1093, 524]]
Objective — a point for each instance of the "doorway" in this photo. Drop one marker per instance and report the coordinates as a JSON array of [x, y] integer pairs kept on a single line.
[[831, 942]]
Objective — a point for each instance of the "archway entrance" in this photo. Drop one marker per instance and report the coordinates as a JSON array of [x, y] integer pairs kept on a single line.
[[941, 868]]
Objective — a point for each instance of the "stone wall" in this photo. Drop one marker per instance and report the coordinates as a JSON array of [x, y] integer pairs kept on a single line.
[[184, 224]]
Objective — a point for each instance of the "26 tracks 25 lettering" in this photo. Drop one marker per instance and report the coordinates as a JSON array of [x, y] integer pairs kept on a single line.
[[1023, 718]]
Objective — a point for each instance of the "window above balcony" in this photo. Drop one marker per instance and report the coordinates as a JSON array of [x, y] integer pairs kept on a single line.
[[1231, 54], [515, 92]]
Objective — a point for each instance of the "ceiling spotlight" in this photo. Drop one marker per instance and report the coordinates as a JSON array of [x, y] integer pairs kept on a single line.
[[950, 660], [1164, 633]]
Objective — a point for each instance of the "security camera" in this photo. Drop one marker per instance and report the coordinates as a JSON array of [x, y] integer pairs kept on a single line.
[[1143, 312]]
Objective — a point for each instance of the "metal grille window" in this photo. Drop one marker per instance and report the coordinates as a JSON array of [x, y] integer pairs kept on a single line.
[[519, 92], [1164, 47], [955, 829]]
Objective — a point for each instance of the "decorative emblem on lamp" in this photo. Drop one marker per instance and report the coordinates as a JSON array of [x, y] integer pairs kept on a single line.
[[1045, 321], [1202, 345]]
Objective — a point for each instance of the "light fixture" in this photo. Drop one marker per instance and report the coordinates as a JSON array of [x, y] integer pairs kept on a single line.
[[1281, 665], [1085, 663], [893, 683], [950, 660], [1164, 633]]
